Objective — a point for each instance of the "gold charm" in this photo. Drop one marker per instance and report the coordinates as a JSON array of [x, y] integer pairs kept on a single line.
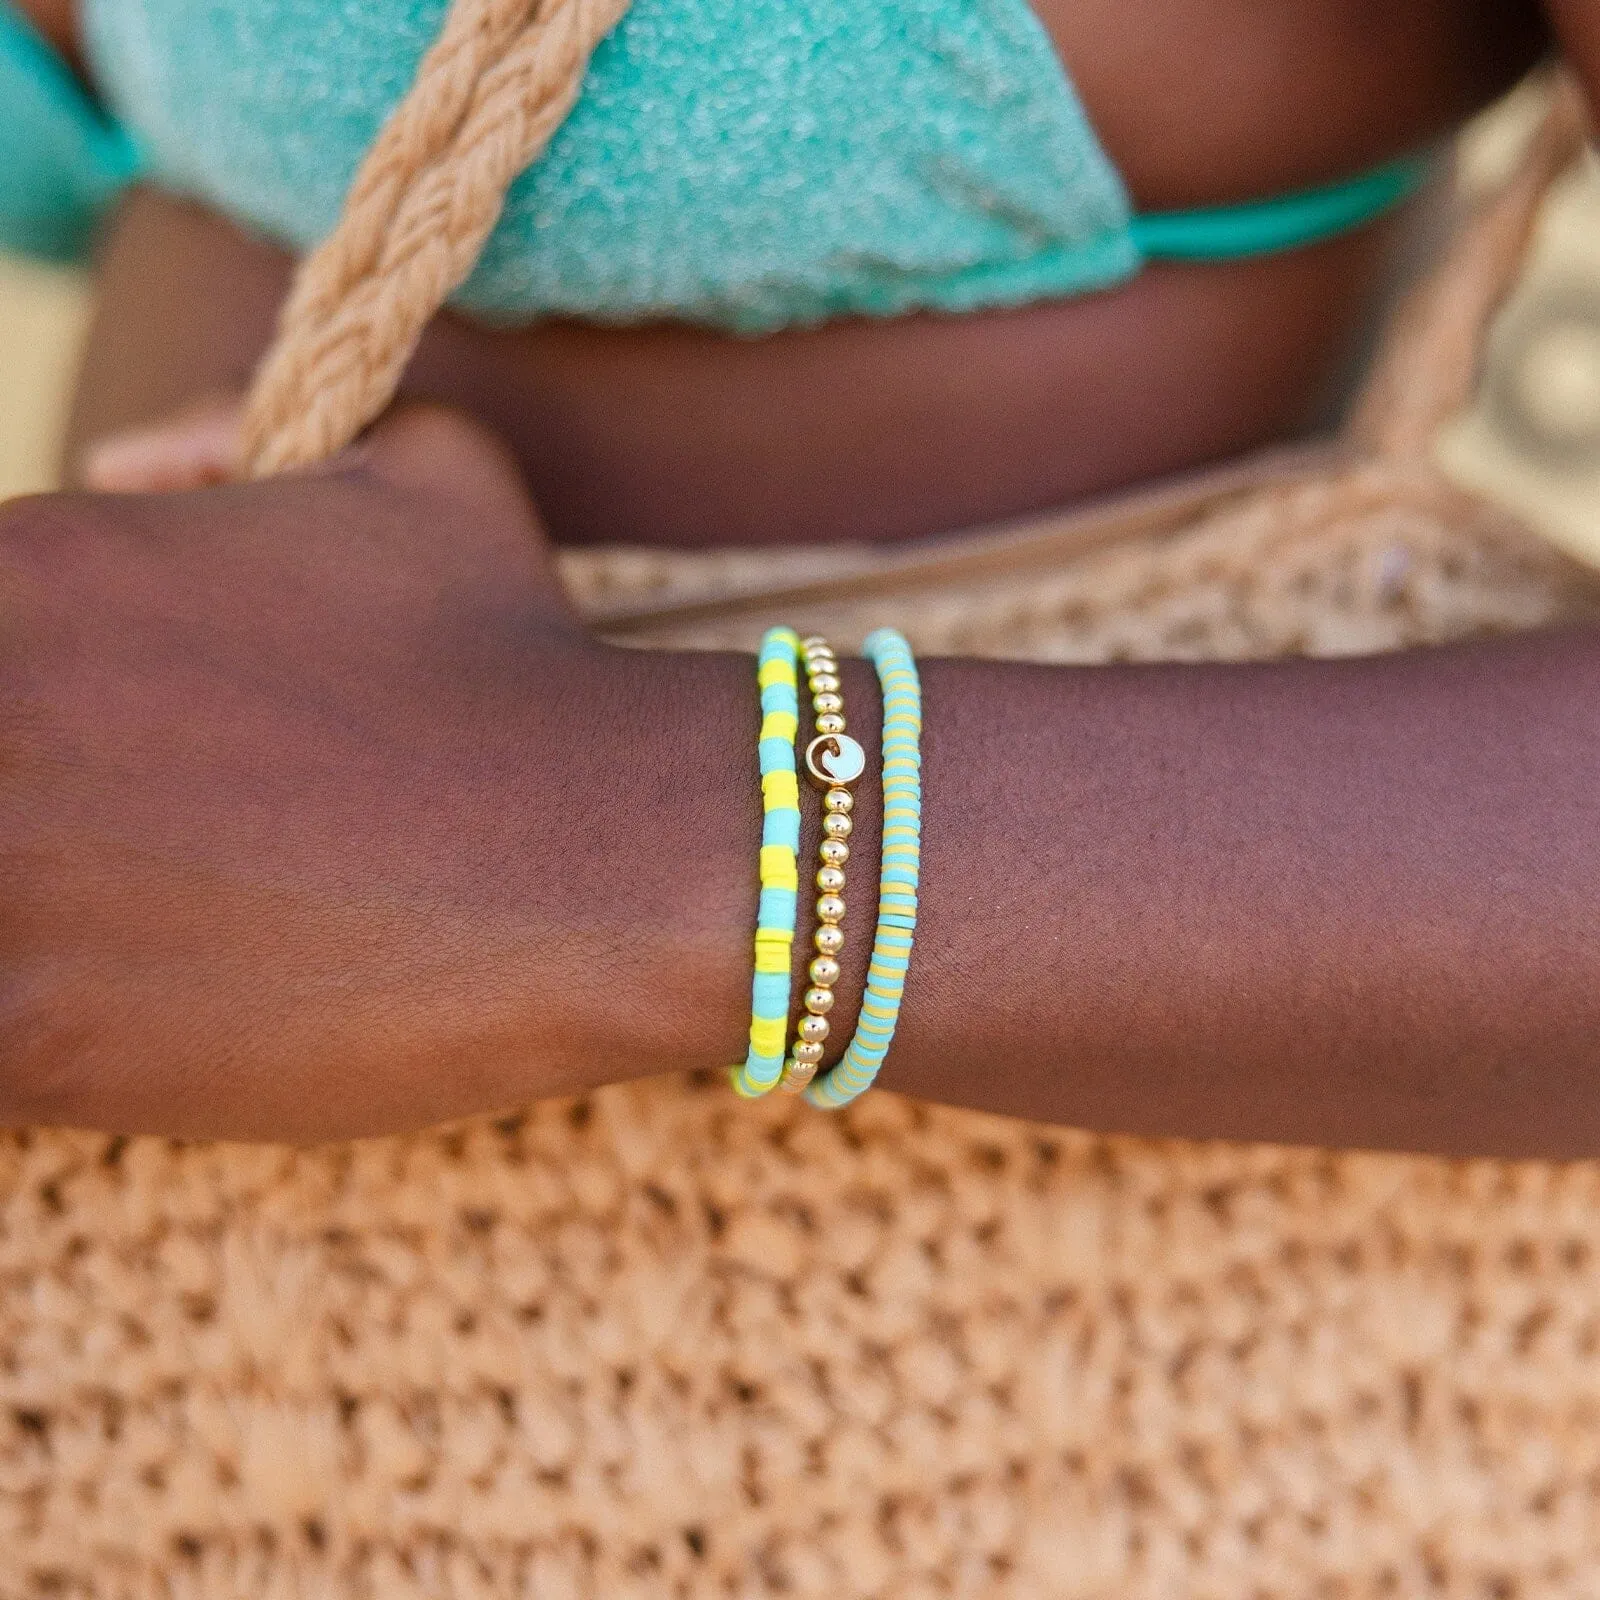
[[835, 760]]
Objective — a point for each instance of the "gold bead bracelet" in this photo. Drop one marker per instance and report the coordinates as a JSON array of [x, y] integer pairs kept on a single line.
[[834, 763]]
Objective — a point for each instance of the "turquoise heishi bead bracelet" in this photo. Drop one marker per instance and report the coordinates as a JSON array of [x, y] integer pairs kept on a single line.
[[897, 893]]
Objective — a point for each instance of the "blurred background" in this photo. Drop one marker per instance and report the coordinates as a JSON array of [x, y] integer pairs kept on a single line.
[[1531, 439], [43, 316]]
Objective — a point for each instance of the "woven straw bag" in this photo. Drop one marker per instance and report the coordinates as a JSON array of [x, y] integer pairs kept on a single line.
[[663, 1342]]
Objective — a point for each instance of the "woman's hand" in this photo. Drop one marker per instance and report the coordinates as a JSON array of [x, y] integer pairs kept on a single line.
[[320, 814]]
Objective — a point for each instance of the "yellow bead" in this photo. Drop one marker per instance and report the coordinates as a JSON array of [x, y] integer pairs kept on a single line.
[[824, 683], [819, 1001], [829, 939], [813, 1030], [836, 825], [835, 852], [827, 702], [808, 1055], [830, 722], [830, 880], [830, 908], [824, 970], [840, 800]]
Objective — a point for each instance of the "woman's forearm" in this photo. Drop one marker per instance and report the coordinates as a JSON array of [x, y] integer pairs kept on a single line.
[[1332, 902], [1328, 902], [319, 815]]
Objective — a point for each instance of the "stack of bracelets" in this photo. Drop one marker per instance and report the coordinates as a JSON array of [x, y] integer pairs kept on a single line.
[[835, 763]]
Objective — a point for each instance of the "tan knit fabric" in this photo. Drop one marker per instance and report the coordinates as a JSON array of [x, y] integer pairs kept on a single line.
[[663, 1342]]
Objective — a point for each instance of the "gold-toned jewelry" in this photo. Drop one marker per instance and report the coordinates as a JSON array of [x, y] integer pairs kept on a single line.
[[834, 762]]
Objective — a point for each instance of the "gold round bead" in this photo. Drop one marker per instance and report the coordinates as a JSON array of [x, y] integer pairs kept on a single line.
[[836, 825], [830, 880], [824, 970], [819, 1001], [830, 722], [821, 661], [840, 800], [827, 702], [814, 641], [824, 683], [813, 1030], [796, 1075], [835, 852], [807, 1054], [830, 908], [829, 939]]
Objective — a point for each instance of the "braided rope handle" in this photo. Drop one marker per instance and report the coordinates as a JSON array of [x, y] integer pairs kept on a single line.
[[1432, 352], [489, 95]]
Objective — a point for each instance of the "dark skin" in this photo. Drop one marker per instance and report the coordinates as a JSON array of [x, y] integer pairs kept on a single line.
[[320, 814]]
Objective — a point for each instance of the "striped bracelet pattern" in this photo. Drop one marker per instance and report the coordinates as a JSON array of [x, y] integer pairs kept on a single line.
[[777, 674], [897, 895]]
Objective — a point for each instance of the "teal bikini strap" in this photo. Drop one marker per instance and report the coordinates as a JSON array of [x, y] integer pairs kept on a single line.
[[1223, 233], [64, 161]]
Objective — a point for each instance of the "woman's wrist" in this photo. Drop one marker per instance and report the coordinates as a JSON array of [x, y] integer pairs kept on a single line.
[[645, 901], [658, 871]]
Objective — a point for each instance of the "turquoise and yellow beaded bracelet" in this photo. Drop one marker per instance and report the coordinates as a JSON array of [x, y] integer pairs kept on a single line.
[[777, 675], [897, 891]]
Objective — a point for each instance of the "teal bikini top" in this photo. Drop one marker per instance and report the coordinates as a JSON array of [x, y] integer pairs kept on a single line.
[[61, 161], [748, 164]]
